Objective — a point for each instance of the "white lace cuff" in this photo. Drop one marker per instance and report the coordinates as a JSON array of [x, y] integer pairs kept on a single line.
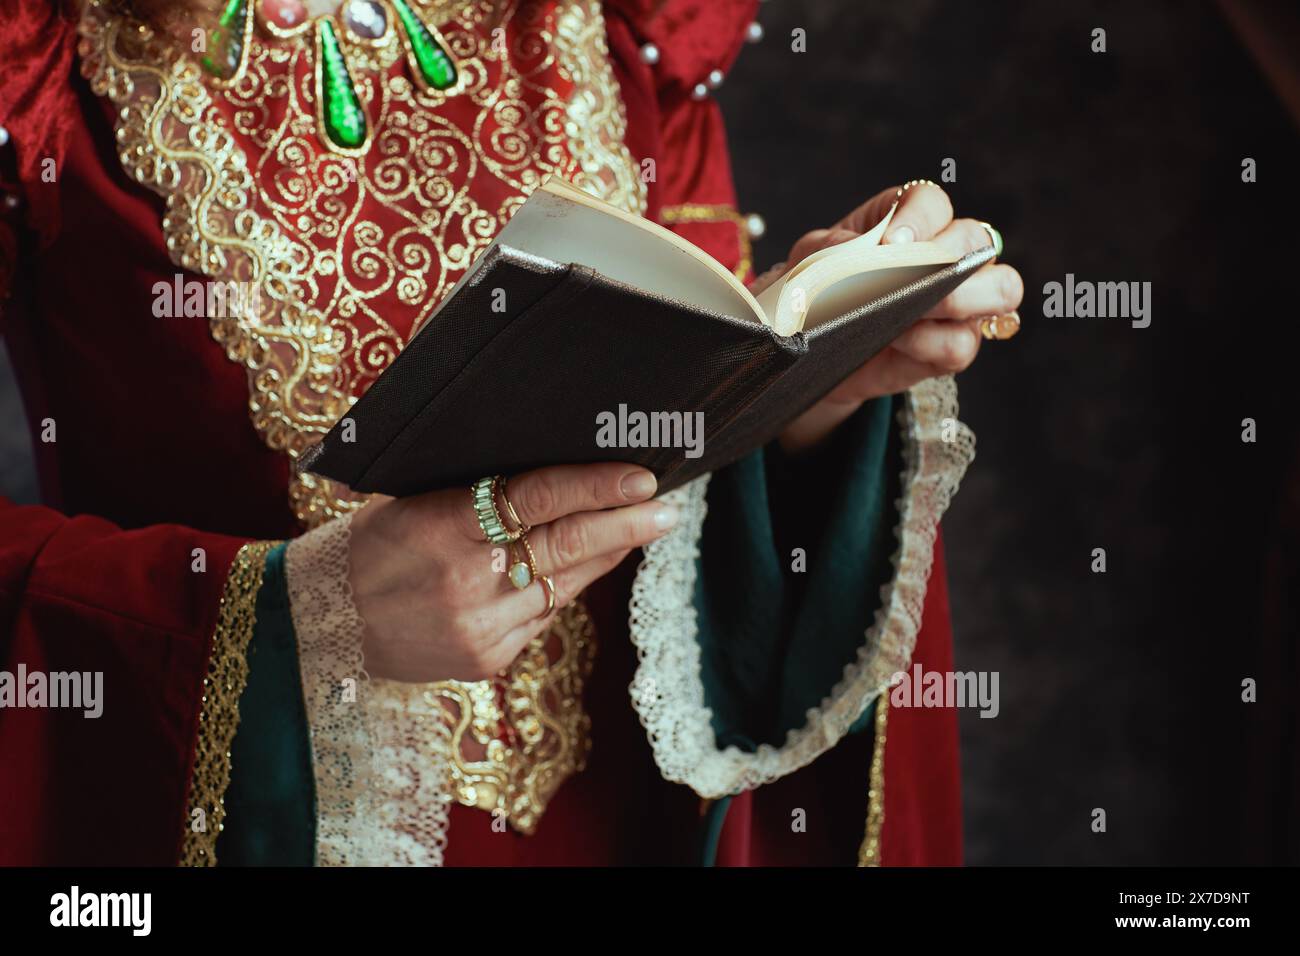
[[378, 747], [668, 691]]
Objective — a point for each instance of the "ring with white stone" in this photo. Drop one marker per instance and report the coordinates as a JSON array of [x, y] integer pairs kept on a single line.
[[523, 571]]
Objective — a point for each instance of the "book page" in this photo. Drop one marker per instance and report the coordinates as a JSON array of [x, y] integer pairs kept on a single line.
[[555, 224], [847, 277]]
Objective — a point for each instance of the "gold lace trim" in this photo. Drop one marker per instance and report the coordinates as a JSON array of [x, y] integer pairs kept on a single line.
[[869, 852], [342, 248], [222, 687], [701, 212], [547, 731]]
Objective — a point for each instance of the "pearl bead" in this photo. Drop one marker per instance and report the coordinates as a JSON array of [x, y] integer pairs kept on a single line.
[[649, 54], [12, 202], [754, 32], [715, 79], [4, 136], [285, 14], [699, 92], [755, 225]]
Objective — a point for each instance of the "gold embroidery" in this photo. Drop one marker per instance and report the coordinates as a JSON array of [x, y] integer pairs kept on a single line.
[[869, 852], [700, 212], [352, 254], [226, 676], [547, 730]]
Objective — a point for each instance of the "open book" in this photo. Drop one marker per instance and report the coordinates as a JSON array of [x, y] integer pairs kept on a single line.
[[585, 334]]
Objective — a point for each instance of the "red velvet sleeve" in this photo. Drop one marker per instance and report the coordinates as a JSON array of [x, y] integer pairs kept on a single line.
[[37, 41], [79, 596]]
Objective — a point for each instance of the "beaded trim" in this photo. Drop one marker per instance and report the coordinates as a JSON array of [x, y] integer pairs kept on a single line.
[[869, 852], [222, 687]]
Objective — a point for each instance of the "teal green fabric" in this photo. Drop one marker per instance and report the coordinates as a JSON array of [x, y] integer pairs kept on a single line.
[[775, 640], [711, 830], [270, 803]]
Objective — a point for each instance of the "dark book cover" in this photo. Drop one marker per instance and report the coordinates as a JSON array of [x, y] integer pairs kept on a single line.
[[484, 390]]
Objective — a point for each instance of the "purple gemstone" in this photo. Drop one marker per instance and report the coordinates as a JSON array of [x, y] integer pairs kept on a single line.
[[365, 19]]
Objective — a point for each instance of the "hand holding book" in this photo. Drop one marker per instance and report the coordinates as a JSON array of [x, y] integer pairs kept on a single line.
[[944, 342], [604, 311], [579, 311], [422, 579]]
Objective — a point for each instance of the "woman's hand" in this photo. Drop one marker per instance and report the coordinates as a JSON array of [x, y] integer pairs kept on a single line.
[[945, 341], [423, 579]]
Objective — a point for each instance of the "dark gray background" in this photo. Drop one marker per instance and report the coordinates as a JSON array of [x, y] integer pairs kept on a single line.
[[1120, 690]]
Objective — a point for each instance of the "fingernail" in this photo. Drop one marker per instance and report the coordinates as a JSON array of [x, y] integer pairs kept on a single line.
[[665, 517], [638, 484], [900, 235]]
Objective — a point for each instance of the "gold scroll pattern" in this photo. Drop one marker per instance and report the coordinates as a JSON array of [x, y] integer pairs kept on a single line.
[[351, 255]]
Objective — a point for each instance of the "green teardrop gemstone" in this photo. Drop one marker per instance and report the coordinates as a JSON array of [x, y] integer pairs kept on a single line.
[[226, 41], [436, 66], [345, 120]]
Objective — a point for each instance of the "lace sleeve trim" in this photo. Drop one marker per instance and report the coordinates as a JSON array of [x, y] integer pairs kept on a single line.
[[668, 692], [378, 747]]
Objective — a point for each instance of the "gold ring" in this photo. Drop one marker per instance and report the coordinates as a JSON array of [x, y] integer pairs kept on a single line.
[[1000, 327], [485, 509], [510, 509], [995, 238], [549, 587]]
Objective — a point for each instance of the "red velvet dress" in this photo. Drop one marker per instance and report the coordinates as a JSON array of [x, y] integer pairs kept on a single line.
[[154, 456]]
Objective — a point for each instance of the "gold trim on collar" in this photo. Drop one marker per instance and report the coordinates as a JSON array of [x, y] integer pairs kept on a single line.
[[353, 253]]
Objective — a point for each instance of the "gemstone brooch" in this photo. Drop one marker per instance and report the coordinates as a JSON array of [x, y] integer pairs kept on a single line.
[[337, 25]]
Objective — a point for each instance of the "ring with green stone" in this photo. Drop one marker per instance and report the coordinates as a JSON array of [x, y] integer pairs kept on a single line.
[[485, 509]]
